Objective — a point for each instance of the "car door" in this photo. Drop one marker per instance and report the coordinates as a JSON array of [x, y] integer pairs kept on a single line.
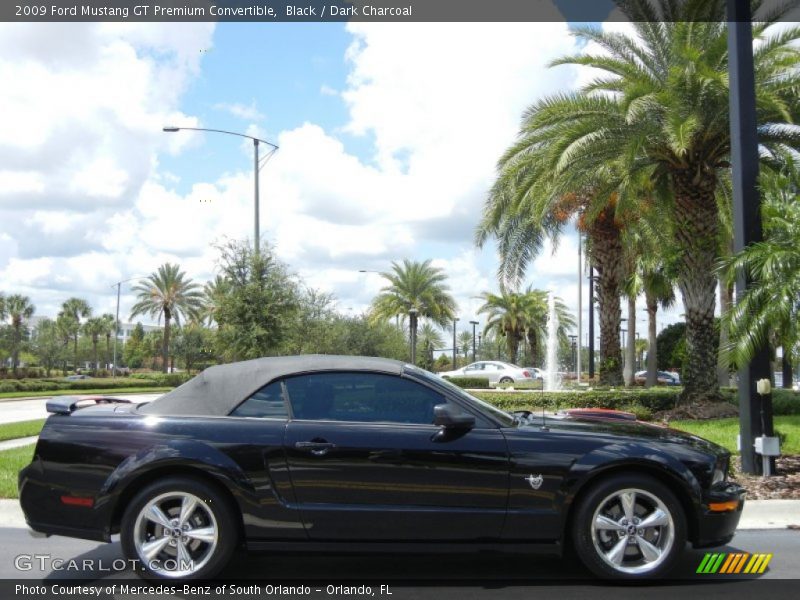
[[367, 463]]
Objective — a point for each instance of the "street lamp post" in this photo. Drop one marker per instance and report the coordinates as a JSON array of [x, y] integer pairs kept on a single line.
[[412, 323], [256, 167], [592, 277], [474, 324], [116, 321], [455, 320]]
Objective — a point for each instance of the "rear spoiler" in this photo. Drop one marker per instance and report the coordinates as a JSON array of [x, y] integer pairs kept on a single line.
[[66, 405]]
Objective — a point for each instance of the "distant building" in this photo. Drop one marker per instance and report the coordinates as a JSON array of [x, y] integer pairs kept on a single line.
[[126, 330]]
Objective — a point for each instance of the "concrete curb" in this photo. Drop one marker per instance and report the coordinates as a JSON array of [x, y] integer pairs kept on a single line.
[[758, 514], [17, 442]]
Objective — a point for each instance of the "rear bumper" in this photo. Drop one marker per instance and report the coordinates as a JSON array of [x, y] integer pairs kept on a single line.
[[715, 527]]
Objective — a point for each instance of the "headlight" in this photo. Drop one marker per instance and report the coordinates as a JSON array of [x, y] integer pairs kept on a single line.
[[720, 471]]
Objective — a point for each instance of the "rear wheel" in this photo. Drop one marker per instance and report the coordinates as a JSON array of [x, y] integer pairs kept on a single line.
[[179, 528], [629, 527], [506, 380]]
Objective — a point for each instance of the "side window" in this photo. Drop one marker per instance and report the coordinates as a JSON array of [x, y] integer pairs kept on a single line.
[[266, 403], [361, 397]]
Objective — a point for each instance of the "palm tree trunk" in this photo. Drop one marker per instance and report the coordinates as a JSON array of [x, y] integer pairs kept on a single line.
[[697, 227], [786, 367], [75, 353], [15, 350], [108, 351], [725, 301], [630, 344], [652, 340], [533, 342], [94, 350], [607, 250], [165, 365]]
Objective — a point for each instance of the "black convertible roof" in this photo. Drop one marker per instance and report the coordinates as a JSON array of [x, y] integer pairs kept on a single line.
[[217, 390]]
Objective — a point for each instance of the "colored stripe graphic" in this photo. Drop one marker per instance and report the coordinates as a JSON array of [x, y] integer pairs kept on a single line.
[[734, 563]]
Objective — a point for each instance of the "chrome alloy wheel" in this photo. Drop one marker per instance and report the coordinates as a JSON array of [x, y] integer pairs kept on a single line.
[[175, 534], [633, 531]]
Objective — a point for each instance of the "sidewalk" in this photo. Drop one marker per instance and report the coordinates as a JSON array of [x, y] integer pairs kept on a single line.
[[758, 514]]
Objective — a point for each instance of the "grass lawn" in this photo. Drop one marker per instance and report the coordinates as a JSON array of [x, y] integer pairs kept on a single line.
[[724, 431], [106, 392], [11, 431], [11, 461]]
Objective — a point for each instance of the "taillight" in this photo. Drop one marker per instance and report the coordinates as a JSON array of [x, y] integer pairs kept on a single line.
[[77, 501], [526, 374]]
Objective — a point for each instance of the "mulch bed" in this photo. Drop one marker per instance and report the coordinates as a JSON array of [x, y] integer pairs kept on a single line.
[[783, 485], [710, 410]]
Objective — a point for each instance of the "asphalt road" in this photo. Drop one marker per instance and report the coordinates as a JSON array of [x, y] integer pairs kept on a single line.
[[489, 576], [12, 411]]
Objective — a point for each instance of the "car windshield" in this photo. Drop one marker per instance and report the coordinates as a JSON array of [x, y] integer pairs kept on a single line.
[[506, 419]]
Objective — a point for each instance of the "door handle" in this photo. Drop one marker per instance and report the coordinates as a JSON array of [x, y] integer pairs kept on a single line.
[[316, 448]]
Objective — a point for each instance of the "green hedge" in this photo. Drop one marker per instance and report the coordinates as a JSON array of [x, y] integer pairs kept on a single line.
[[481, 383], [652, 400], [784, 402], [50, 385]]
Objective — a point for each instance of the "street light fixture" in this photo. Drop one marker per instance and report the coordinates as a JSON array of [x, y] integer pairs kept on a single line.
[[473, 323], [256, 166]]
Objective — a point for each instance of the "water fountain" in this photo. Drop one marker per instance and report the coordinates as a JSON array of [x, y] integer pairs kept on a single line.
[[552, 380]]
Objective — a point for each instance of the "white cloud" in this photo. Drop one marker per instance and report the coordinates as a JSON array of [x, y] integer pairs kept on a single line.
[[440, 111], [247, 112]]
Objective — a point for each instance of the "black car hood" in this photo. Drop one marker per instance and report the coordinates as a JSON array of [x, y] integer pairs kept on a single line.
[[618, 428]]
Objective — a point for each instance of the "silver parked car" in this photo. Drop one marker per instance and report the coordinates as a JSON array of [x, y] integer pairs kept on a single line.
[[493, 370]]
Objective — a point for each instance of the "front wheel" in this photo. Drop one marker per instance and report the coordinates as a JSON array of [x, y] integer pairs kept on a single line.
[[629, 527], [179, 528], [506, 380]]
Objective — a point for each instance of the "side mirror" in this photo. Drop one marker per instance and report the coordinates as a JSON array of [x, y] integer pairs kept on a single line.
[[450, 417]]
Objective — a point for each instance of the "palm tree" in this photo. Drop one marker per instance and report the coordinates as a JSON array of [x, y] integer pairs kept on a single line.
[[94, 328], [538, 308], [465, 343], [769, 310], [418, 286], [506, 315], [168, 293], [109, 329], [20, 310], [520, 315], [213, 291], [65, 325], [75, 309], [659, 112], [658, 291], [429, 339]]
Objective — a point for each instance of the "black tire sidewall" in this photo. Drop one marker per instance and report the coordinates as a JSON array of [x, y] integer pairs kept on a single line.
[[219, 505], [581, 530]]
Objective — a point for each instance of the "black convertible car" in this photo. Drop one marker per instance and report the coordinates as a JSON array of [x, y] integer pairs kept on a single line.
[[331, 453]]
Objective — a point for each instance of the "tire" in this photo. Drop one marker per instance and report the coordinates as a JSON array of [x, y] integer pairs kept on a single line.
[[506, 380], [613, 548], [156, 549]]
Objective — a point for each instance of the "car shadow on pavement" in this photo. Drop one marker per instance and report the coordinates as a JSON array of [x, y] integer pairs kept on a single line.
[[481, 570]]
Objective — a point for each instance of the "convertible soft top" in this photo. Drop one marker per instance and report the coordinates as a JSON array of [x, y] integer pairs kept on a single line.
[[219, 389]]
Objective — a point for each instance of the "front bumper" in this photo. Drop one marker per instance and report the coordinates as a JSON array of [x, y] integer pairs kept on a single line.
[[717, 527]]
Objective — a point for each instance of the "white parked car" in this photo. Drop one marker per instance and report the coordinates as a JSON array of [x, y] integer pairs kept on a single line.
[[493, 370]]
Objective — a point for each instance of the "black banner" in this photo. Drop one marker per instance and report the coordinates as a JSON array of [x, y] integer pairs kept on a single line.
[[361, 10]]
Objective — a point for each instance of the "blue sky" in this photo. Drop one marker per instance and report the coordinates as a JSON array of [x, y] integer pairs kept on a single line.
[[389, 137]]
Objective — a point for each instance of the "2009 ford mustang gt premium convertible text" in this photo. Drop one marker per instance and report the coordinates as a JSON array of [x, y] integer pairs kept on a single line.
[[330, 453]]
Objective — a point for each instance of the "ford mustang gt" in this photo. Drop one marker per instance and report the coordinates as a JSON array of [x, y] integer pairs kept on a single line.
[[329, 453]]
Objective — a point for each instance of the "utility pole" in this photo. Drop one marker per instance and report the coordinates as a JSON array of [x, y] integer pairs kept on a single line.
[[755, 411], [455, 320]]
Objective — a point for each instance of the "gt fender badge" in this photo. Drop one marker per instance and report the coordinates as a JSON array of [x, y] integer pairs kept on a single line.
[[535, 481]]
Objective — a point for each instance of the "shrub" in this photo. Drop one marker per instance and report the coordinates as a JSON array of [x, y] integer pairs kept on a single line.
[[641, 400], [7, 387], [470, 382]]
